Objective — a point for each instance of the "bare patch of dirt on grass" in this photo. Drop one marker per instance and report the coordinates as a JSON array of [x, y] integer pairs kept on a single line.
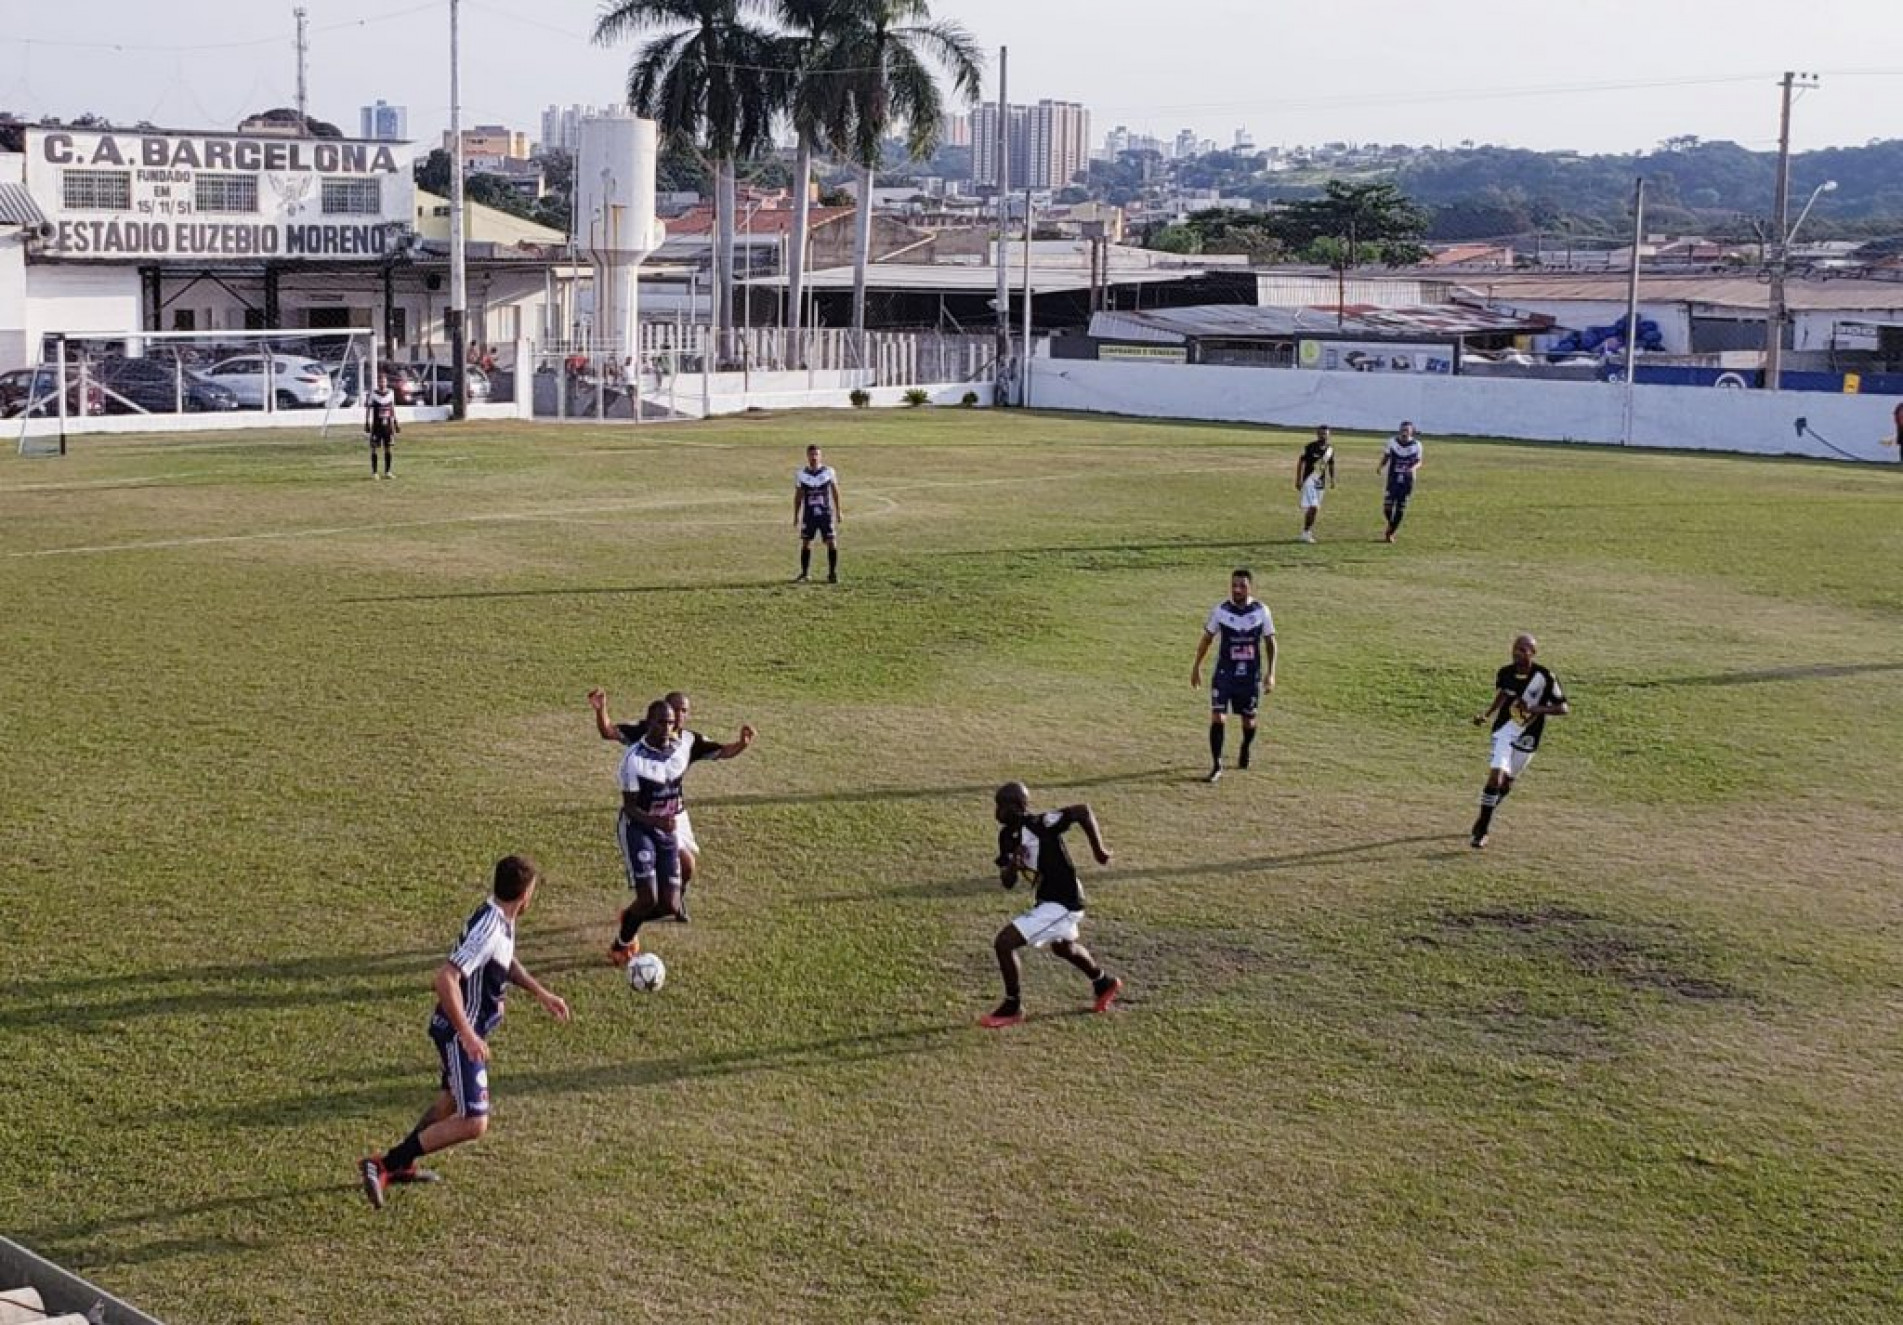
[[1619, 952]]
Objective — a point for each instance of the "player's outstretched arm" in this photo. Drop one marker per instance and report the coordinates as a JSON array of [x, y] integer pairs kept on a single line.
[[1196, 668], [598, 701], [556, 1007], [1086, 818], [738, 747]]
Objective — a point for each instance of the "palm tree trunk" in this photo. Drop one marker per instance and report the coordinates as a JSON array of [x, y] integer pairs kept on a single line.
[[723, 255], [861, 258], [796, 258]]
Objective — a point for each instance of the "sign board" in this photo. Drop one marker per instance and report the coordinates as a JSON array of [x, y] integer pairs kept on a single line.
[[1144, 353], [1857, 336], [1349, 356], [127, 196]]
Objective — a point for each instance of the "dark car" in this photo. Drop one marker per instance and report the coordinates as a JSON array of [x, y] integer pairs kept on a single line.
[[403, 380], [33, 387], [156, 386], [437, 383]]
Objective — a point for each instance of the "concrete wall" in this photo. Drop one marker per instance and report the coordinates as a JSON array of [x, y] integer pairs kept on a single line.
[[1675, 418]]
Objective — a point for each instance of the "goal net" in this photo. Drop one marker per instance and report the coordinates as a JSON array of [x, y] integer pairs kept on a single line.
[[177, 380]]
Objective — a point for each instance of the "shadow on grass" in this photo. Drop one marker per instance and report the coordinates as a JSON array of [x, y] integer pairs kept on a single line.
[[880, 794], [601, 591], [68, 1243], [399, 1099], [1811, 672], [340, 978], [971, 885]]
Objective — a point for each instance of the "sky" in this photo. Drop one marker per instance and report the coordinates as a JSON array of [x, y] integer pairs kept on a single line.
[[1613, 76]]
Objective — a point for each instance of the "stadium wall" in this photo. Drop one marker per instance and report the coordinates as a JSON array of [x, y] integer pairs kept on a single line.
[[1837, 427]]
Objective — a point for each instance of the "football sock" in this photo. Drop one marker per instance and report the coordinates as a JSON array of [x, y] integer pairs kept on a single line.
[[373, 461], [832, 561], [806, 560], [1489, 802], [1215, 742], [630, 926], [404, 1153], [1248, 739]]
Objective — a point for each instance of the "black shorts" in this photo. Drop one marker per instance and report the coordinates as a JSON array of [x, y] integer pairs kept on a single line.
[[381, 436], [817, 524], [1235, 694]]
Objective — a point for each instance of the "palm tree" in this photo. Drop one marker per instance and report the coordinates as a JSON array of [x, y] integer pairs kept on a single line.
[[706, 80], [811, 97], [881, 51]]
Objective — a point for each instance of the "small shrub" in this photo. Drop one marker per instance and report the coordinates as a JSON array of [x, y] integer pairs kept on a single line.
[[860, 398], [969, 400], [916, 396]]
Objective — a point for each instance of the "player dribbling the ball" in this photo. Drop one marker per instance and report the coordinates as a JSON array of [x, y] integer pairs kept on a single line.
[[1032, 845]]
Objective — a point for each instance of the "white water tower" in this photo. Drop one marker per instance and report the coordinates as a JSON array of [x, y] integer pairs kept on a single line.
[[615, 223]]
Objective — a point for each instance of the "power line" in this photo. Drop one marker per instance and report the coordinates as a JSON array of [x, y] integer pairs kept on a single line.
[[187, 47]]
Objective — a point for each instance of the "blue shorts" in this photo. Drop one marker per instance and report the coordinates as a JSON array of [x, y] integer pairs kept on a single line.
[[466, 1080], [818, 524], [1235, 694], [1398, 493], [648, 855]]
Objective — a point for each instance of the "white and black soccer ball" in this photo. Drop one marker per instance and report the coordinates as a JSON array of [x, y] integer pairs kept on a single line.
[[647, 972]]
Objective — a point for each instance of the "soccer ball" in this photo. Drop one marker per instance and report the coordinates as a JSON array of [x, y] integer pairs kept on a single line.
[[647, 972]]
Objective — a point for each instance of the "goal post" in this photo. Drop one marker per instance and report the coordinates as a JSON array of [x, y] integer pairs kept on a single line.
[[184, 381]]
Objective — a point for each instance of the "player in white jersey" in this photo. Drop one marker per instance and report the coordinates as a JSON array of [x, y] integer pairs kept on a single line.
[[816, 512], [1245, 664], [470, 988], [1402, 458], [1525, 695]]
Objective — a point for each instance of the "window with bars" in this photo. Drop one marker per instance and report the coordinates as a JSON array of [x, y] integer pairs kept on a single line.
[[97, 190], [226, 193], [353, 197]]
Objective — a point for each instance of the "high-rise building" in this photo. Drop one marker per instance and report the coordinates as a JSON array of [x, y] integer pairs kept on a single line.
[[561, 127], [955, 131], [1046, 144], [385, 123], [491, 142]]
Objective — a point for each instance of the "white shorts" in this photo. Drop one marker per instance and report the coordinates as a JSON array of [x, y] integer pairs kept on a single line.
[[1048, 922], [684, 833], [1311, 493], [1506, 756]]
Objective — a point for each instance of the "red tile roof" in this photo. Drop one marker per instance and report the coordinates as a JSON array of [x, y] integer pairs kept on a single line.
[[778, 221]]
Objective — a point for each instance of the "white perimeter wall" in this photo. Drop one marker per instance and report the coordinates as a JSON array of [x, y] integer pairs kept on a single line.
[[1673, 417]]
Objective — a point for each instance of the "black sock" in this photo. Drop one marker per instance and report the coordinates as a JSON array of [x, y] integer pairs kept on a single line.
[[373, 462], [1215, 742], [404, 1153], [832, 561], [1248, 739], [1400, 513], [630, 926], [1100, 981], [806, 560], [1489, 802]]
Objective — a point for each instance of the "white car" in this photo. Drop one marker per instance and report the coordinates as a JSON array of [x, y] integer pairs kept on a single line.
[[297, 382]]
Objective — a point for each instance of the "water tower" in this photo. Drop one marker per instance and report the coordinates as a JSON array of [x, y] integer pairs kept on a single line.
[[614, 218]]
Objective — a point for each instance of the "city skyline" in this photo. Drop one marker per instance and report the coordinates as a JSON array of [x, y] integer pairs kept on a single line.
[[1623, 80]]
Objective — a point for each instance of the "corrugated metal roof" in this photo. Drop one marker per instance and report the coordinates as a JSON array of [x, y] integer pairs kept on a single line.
[[17, 206], [1720, 291], [951, 277], [1175, 325]]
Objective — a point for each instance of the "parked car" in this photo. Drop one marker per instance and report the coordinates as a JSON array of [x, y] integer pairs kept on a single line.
[[438, 383], [32, 388], [156, 386], [402, 378], [295, 382]]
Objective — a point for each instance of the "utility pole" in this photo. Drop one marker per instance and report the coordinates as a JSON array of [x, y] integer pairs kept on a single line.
[[1780, 251], [1632, 306], [458, 275], [1003, 349], [303, 63]]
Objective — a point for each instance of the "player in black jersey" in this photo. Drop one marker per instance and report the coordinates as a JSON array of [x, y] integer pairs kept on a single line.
[[1525, 695], [1314, 472], [470, 988], [1031, 845], [379, 423]]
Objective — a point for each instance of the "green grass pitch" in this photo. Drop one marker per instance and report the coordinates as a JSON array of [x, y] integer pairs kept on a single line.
[[267, 724]]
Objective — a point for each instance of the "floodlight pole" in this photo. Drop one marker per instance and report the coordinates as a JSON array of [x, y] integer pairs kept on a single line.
[[1632, 306], [458, 274]]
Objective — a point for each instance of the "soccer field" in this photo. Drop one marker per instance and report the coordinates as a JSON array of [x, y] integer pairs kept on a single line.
[[268, 724]]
